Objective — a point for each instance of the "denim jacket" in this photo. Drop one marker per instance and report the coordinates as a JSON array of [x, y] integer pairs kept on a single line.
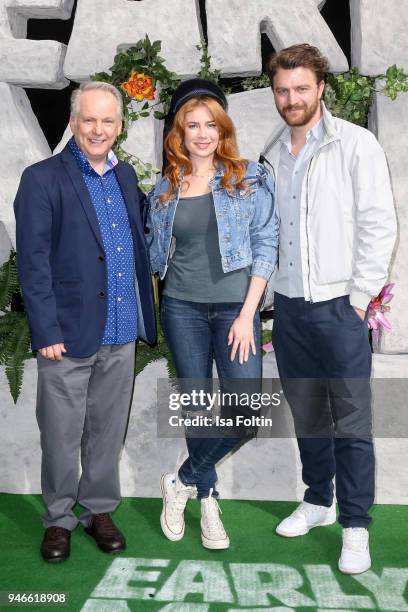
[[246, 219]]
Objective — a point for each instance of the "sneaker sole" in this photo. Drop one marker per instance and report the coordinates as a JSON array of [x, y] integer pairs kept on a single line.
[[170, 535], [354, 572], [287, 534], [214, 544]]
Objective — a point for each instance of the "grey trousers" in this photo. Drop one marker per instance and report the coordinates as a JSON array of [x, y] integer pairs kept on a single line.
[[82, 409]]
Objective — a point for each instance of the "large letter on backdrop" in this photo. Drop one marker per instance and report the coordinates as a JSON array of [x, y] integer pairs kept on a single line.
[[255, 117], [104, 26], [27, 63], [389, 119], [379, 34], [31, 62], [380, 39], [22, 143], [234, 32]]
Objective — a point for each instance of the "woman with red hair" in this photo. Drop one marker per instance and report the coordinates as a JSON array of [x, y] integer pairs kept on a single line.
[[213, 236]]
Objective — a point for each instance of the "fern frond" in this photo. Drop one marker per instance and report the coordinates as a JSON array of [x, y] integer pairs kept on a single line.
[[15, 349], [145, 355], [8, 281]]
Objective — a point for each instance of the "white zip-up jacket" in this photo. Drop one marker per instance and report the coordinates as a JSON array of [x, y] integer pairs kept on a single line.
[[347, 215]]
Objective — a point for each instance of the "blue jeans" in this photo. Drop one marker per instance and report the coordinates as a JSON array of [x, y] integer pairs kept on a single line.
[[196, 332]]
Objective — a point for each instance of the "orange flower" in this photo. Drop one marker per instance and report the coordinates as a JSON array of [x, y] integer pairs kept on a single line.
[[139, 86]]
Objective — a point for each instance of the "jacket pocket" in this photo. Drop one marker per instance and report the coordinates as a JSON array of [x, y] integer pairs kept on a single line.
[[240, 203]]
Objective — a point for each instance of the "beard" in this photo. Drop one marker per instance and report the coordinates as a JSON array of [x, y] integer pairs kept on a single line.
[[303, 117]]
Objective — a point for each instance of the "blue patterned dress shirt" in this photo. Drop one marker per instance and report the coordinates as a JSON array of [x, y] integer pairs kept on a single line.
[[111, 212]]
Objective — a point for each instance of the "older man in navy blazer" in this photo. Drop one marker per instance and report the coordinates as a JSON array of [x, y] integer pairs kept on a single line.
[[86, 283]]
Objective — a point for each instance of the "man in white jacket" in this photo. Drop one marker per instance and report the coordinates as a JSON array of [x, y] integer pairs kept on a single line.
[[337, 231]]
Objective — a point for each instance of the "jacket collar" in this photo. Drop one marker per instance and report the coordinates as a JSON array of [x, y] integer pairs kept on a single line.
[[330, 133], [74, 171], [75, 174], [330, 126], [162, 185]]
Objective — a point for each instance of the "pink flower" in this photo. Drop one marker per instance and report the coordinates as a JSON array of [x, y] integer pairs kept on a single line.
[[268, 347], [377, 309]]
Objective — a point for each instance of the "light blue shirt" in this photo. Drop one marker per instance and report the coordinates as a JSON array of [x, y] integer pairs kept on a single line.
[[291, 172]]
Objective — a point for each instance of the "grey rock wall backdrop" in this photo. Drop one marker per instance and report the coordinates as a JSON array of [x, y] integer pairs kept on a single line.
[[379, 32], [263, 469]]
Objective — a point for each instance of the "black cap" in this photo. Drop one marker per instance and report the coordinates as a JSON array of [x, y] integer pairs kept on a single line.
[[194, 88]]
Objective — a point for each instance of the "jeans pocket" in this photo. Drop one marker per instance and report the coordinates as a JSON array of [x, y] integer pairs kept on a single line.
[[353, 314]]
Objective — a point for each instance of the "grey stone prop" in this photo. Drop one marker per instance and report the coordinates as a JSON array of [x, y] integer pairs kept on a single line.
[[234, 41], [31, 63], [107, 26], [389, 120], [24, 63], [22, 143], [145, 456], [5, 244], [255, 116], [379, 35]]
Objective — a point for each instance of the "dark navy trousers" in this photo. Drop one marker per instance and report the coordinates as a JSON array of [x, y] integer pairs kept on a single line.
[[324, 361]]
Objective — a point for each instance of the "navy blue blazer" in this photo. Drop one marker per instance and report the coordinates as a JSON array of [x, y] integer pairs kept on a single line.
[[61, 259]]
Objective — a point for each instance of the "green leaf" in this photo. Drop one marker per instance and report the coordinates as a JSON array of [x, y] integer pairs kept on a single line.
[[14, 349], [156, 46], [8, 281], [135, 56], [392, 72], [101, 76]]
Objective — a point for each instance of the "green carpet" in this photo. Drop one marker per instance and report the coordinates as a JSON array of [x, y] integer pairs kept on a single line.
[[260, 571]]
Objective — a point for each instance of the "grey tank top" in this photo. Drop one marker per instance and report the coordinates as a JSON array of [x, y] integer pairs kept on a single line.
[[195, 272]]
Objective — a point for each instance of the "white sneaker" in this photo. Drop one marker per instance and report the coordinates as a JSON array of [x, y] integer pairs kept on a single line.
[[213, 534], [305, 517], [355, 554], [175, 497]]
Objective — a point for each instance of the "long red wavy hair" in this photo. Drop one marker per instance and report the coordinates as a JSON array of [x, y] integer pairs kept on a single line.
[[226, 153]]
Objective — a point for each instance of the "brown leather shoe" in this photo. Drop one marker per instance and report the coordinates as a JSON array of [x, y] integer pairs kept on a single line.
[[105, 533], [55, 546]]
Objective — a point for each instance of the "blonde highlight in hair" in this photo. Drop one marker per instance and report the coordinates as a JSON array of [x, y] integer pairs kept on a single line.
[[226, 153]]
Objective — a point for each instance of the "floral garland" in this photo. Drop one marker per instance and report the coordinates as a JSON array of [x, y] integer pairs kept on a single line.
[[146, 86]]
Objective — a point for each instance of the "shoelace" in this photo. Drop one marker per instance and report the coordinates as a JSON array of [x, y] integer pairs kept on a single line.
[[179, 502], [355, 539], [212, 517]]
